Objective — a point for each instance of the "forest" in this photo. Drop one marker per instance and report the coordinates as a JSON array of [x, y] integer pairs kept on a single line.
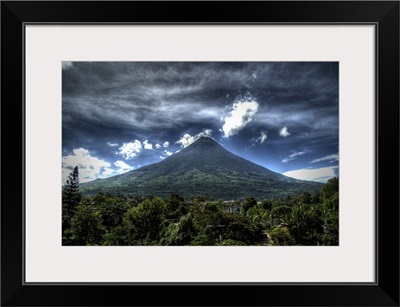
[[121, 220]]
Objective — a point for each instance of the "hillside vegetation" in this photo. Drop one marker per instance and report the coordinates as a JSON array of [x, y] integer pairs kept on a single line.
[[305, 219], [203, 168]]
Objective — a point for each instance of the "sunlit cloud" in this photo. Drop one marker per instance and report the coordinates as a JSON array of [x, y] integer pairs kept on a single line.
[[147, 145], [122, 167], [261, 139], [331, 158], [130, 150], [284, 132], [188, 139], [112, 144], [90, 168], [66, 64], [168, 153], [293, 156], [241, 114], [319, 174]]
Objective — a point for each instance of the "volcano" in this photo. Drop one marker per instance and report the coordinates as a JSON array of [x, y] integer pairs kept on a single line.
[[203, 168]]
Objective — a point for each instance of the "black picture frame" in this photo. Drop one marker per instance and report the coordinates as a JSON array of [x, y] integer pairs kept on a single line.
[[383, 14]]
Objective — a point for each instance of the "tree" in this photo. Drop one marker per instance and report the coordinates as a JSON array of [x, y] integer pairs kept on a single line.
[[305, 224], [181, 234], [240, 228], [174, 205], [279, 214], [330, 188], [145, 222], [248, 203], [86, 226], [281, 236], [71, 197], [305, 198]]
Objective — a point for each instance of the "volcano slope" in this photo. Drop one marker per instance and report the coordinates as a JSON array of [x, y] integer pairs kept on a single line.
[[203, 168]]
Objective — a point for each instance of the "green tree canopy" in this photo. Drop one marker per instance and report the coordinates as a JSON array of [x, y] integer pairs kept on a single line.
[[145, 222], [71, 197], [86, 226]]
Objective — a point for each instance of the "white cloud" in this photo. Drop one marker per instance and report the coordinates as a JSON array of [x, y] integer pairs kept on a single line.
[[284, 132], [147, 145], [90, 168], [158, 146], [122, 167], [130, 150], [112, 144], [162, 158], [166, 144], [332, 158], [206, 132], [240, 115], [261, 139], [66, 64], [188, 139], [293, 156], [319, 174], [168, 153]]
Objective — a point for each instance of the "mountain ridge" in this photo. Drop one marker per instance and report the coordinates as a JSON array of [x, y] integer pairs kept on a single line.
[[202, 168]]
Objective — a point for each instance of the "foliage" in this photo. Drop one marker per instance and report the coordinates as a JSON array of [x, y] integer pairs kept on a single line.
[[281, 236], [204, 170], [248, 203], [86, 226], [145, 222], [71, 197], [330, 188], [117, 220], [181, 234], [230, 242]]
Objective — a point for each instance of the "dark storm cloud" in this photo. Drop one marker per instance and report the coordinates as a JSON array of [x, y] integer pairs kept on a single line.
[[147, 96], [161, 95], [120, 102]]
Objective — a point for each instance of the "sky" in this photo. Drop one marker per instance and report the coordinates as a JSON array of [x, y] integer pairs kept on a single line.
[[120, 116]]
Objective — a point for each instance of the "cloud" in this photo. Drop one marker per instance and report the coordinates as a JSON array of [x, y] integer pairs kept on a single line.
[[332, 158], [166, 144], [112, 144], [130, 150], [284, 132], [158, 146], [293, 156], [319, 174], [122, 167], [168, 153], [261, 139], [147, 145], [240, 115], [90, 168], [162, 158], [66, 65], [188, 139], [107, 101]]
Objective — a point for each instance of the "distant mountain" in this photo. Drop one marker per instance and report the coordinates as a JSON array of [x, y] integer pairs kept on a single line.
[[203, 168]]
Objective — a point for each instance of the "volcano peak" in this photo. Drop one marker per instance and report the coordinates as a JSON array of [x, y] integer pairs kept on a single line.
[[202, 168]]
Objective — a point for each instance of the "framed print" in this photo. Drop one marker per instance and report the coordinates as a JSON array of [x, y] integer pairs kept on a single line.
[[247, 147]]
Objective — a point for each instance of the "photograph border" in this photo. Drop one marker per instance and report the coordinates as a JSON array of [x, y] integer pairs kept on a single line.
[[384, 15]]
